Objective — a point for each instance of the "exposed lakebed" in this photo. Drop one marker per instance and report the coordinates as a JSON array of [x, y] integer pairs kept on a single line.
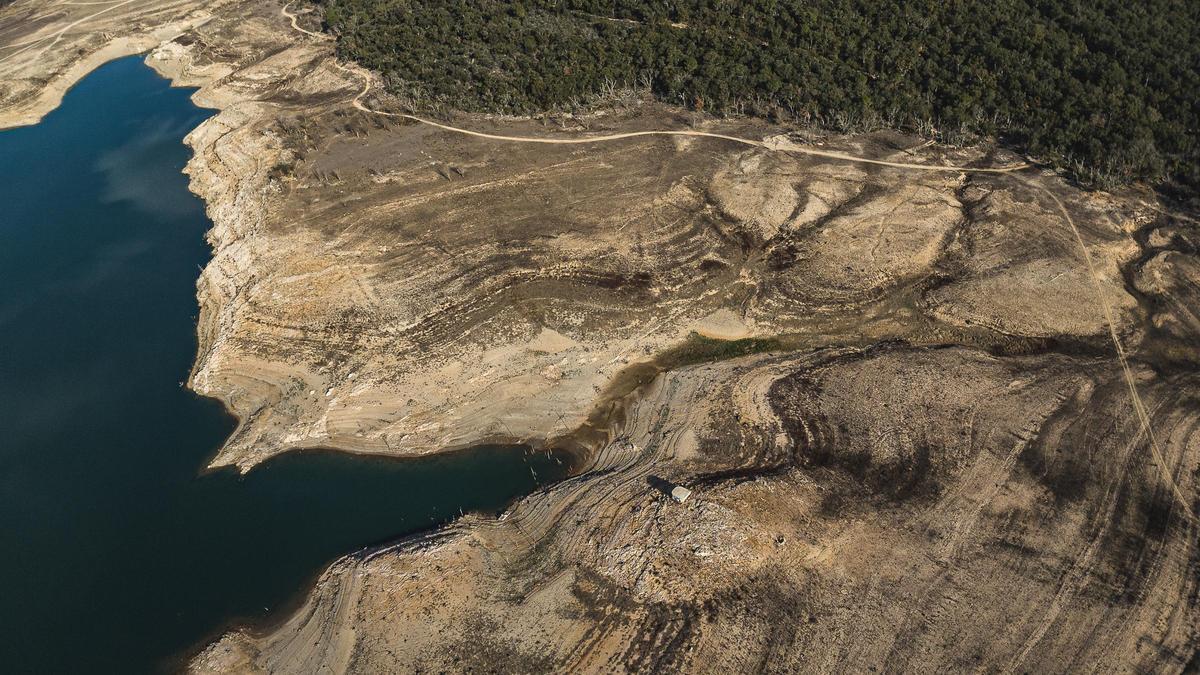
[[118, 550]]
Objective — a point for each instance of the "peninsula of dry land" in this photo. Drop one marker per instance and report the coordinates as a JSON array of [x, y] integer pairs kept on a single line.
[[937, 409]]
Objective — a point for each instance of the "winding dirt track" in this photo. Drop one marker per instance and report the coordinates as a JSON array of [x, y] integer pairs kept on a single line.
[[30, 44], [1138, 405], [787, 146], [295, 26], [774, 146]]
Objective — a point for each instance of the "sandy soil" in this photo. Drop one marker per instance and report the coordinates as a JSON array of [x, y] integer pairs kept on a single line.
[[972, 445], [898, 508], [48, 46]]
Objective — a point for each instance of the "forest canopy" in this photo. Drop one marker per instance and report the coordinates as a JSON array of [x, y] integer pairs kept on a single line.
[[1108, 88]]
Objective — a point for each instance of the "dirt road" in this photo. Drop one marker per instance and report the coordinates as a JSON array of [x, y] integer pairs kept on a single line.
[[54, 39], [780, 145], [784, 145]]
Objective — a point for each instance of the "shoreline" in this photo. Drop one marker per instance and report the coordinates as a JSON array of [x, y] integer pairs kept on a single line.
[[49, 97], [232, 153], [278, 615], [176, 67], [910, 402]]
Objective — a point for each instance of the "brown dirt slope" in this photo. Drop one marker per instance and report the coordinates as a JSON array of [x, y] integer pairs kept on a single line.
[[934, 462]]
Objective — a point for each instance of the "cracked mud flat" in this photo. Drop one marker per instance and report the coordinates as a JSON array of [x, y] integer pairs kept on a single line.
[[938, 467]]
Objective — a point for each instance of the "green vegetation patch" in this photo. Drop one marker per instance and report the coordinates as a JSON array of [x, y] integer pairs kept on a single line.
[[1109, 88], [700, 349]]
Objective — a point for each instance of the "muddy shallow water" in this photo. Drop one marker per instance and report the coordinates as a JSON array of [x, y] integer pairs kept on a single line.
[[119, 553]]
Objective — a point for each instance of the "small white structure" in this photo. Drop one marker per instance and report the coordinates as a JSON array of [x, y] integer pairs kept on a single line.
[[680, 493]]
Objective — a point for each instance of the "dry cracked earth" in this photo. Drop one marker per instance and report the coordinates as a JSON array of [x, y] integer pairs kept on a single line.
[[895, 393]]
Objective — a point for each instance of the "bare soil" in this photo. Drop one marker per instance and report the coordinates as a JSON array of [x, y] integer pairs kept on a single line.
[[929, 456]]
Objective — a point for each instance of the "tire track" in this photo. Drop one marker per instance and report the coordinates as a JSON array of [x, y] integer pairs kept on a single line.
[[1122, 357], [783, 145]]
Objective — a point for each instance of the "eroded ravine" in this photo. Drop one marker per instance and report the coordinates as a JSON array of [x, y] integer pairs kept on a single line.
[[117, 535], [929, 459]]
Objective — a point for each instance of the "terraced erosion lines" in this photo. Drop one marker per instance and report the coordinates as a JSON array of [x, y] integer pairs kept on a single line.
[[782, 144], [929, 467], [779, 563], [1138, 406]]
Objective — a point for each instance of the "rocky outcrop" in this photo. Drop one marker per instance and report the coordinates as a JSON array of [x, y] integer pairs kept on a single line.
[[399, 289], [923, 456], [895, 507]]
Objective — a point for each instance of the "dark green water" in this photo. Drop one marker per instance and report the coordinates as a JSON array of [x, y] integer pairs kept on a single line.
[[116, 554]]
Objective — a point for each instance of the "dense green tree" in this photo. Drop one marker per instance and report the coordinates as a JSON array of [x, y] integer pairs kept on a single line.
[[1109, 88]]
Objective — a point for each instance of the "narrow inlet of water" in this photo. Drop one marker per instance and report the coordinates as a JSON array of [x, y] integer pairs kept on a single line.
[[116, 551]]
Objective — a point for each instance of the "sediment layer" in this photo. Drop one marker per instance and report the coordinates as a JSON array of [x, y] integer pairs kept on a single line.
[[990, 512], [936, 465]]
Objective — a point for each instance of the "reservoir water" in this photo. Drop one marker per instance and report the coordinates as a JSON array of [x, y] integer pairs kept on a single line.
[[117, 553]]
